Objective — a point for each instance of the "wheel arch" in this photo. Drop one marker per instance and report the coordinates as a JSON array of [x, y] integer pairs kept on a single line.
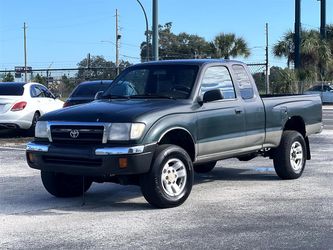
[[297, 123], [181, 137]]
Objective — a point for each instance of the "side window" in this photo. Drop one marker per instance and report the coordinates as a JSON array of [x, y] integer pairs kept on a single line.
[[36, 91], [244, 82], [218, 77], [33, 91], [46, 92]]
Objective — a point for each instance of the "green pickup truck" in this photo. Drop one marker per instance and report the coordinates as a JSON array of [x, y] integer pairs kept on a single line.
[[159, 122]]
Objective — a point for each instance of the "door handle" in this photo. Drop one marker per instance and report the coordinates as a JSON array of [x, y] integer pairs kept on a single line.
[[238, 111]]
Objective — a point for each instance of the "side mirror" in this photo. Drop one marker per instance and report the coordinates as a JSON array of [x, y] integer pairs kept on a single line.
[[212, 95], [98, 95]]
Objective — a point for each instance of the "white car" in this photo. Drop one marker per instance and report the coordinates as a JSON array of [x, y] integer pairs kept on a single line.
[[21, 104], [324, 90]]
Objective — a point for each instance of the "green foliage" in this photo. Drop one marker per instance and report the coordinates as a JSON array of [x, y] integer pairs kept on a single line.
[[40, 79], [186, 46], [228, 45], [283, 81], [99, 68], [8, 77], [260, 80], [316, 54]]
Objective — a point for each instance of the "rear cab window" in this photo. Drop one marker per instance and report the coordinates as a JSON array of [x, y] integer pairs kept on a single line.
[[244, 82]]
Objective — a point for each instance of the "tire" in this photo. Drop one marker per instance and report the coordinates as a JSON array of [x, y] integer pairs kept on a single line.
[[290, 157], [63, 185], [205, 167], [170, 179], [35, 118]]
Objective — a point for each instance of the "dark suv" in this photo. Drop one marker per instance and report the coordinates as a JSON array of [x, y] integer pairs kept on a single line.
[[86, 91]]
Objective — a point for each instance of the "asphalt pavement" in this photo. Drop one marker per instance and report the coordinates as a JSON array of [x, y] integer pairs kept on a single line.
[[239, 205], [328, 117]]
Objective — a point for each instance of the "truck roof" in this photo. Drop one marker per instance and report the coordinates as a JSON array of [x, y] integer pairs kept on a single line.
[[198, 62]]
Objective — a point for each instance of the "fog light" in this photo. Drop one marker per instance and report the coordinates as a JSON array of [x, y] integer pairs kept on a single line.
[[122, 162]]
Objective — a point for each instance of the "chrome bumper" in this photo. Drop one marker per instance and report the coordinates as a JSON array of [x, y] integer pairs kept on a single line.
[[34, 147]]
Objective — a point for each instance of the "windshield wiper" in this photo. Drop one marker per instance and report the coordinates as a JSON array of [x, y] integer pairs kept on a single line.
[[152, 96]]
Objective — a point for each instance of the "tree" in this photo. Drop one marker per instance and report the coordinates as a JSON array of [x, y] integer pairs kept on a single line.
[[181, 46], [316, 54], [283, 81], [185, 46], [99, 69], [40, 79], [8, 77], [228, 45]]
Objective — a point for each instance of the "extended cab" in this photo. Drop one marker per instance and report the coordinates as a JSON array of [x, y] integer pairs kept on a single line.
[[159, 122]]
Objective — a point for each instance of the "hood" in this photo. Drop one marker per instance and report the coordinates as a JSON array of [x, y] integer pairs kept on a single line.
[[111, 110]]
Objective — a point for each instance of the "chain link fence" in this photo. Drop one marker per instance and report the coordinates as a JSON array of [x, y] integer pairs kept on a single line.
[[63, 81]]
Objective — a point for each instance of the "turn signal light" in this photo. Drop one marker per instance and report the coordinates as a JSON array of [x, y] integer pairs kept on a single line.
[[122, 162], [30, 157], [19, 106]]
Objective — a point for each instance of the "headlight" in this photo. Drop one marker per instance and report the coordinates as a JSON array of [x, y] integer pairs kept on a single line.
[[137, 130], [126, 131], [41, 129]]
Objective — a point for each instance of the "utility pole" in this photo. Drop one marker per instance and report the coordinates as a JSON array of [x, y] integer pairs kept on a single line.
[[297, 38], [117, 43], [267, 62], [25, 52], [155, 30], [322, 19]]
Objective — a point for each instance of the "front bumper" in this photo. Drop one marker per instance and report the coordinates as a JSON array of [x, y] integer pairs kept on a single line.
[[90, 160]]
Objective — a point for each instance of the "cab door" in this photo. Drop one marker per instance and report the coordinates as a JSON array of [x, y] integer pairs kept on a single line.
[[253, 107], [220, 123]]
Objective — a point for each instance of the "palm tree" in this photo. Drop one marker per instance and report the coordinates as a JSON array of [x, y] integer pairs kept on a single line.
[[316, 54], [285, 47], [228, 45]]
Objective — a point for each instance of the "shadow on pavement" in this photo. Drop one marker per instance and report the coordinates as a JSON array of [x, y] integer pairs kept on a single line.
[[24, 198], [234, 174], [11, 133]]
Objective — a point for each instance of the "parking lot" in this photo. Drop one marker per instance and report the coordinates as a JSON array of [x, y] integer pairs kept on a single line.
[[238, 205]]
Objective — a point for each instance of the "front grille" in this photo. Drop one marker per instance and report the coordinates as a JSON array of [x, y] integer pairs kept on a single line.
[[77, 134], [73, 161]]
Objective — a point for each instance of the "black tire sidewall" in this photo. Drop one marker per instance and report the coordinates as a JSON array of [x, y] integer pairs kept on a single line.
[[63, 185], [282, 163], [151, 183]]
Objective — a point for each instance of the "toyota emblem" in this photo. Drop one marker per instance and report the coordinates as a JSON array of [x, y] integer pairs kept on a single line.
[[74, 133]]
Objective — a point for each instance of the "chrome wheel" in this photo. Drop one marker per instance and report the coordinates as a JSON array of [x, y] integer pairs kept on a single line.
[[173, 177], [296, 156]]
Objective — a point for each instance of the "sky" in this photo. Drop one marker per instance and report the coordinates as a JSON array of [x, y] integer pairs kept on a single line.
[[61, 33]]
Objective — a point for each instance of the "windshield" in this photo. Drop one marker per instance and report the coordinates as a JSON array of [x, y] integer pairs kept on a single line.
[[11, 89], [154, 81]]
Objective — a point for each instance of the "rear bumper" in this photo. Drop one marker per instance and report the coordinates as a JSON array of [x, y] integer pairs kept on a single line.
[[14, 120], [90, 161]]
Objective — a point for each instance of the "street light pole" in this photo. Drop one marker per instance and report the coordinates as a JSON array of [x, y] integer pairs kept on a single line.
[[25, 52], [322, 19], [155, 29], [297, 38], [147, 30]]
